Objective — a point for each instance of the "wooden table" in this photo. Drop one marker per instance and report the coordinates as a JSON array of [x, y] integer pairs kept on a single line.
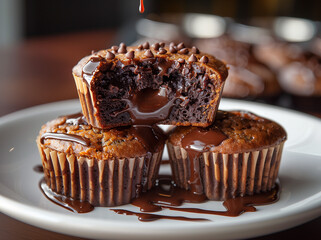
[[39, 71]]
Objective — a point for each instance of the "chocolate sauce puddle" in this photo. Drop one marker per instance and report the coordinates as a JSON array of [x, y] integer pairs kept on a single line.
[[195, 143], [65, 202], [147, 217], [165, 195], [237, 206], [65, 137]]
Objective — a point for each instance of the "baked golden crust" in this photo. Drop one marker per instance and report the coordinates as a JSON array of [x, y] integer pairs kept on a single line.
[[245, 132], [103, 144]]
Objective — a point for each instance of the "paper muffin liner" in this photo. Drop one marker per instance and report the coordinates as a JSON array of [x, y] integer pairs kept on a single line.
[[86, 101], [228, 175], [108, 183]]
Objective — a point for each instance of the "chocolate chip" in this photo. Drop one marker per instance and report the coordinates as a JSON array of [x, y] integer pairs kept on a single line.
[[195, 50], [185, 71], [177, 65], [172, 49], [140, 47], [149, 54], [192, 58], [115, 48], [162, 44], [130, 55], [181, 60], [183, 51], [146, 45], [156, 46], [162, 51], [204, 59], [180, 46], [122, 48], [110, 55]]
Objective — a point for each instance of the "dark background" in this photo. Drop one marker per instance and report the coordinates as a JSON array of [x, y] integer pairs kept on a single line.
[[61, 16]]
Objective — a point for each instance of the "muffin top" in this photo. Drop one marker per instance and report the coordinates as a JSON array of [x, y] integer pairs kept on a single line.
[[163, 57], [72, 135], [232, 132]]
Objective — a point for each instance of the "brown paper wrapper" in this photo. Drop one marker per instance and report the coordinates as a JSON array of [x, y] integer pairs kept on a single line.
[[108, 183], [228, 175], [87, 102]]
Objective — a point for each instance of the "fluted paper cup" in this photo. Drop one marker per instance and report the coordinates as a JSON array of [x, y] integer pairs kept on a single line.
[[228, 175], [109, 182]]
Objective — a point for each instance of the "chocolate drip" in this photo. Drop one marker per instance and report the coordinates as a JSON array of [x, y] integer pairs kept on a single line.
[[76, 119], [147, 217], [65, 137], [166, 193], [38, 168], [149, 136], [89, 69], [198, 141], [141, 6], [65, 202]]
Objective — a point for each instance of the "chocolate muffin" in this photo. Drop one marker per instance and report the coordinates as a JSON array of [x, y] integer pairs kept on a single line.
[[248, 78], [238, 155], [301, 79], [276, 54], [103, 167], [144, 85]]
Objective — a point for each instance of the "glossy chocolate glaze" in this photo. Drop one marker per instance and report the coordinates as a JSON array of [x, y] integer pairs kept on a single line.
[[90, 68], [65, 202], [149, 136], [76, 119], [65, 137], [149, 106], [195, 142], [147, 217]]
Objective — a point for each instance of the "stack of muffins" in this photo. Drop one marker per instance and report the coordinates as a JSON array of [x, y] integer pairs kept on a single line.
[[111, 152]]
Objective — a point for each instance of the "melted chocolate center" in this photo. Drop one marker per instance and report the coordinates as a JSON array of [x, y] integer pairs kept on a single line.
[[198, 141], [149, 106], [65, 137]]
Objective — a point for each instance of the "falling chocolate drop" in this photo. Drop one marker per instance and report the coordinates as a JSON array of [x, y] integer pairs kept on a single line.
[[141, 6]]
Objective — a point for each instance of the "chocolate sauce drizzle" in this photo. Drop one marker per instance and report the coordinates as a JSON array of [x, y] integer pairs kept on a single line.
[[65, 137], [63, 201], [165, 195], [147, 217], [195, 143]]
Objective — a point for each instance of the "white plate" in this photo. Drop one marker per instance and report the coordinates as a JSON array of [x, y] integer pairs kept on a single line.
[[300, 177]]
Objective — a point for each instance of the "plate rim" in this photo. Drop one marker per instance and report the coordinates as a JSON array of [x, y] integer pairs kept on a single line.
[[300, 216]]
